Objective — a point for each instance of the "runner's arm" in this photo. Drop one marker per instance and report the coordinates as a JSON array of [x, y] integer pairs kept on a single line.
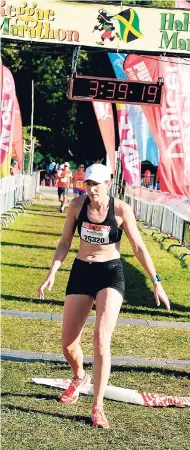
[[61, 250]]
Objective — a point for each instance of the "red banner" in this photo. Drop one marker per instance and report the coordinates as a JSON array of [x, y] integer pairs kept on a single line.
[[182, 4], [7, 121], [18, 136], [170, 123], [128, 147], [104, 115]]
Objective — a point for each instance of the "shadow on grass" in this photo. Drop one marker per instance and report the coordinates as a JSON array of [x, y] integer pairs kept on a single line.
[[33, 267], [74, 418], [118, 368], [144, 369], [34, 232], [32, 300], [183, 263], [139, 299], [15, 244], [39, 213], [37, 396], [37, 226], [54, 210]]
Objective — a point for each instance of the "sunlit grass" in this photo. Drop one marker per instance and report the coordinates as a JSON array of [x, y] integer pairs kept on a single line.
[[45, 336], [32, 416], [27, 250]]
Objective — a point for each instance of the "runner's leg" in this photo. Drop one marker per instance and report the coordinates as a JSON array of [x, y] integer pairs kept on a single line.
[[108, 304], [76, 310]]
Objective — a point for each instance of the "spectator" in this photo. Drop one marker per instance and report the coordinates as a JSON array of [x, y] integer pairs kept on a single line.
[[51, 173], [78, 181], [147, 178], [158, 178], [14, 167]]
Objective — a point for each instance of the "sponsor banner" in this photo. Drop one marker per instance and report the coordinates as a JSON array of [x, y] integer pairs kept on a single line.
[[97, 25], [18, 136], [1, 87], [128, 146], [147, 148], [182, 4], [7, 121], [170, 123], [104, 115]]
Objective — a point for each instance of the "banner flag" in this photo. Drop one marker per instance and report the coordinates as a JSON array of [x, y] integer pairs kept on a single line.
[[170, 123], [1, 89], [119, 394], [18, 146], [112, 26], [147, 148], [182, 4], [104, 115], [128, 146], [7, 121]]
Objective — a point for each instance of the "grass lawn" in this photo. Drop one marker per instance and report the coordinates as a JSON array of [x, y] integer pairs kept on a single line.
[[27, 249], [33, 418], [45, 336]]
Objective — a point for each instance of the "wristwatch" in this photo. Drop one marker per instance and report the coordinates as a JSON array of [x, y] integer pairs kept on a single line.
[[156, 279]]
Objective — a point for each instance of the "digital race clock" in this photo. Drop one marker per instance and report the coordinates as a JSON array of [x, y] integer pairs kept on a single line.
[[114, 90]]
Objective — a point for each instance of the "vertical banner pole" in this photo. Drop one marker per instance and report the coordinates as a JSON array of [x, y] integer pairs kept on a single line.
[[31, 130]]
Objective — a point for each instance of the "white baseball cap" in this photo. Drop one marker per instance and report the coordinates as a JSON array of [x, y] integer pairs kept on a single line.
[[97, 173], [67, 164]]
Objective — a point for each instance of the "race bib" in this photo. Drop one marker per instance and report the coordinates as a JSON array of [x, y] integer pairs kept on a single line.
[[95, 233], [64, 180], [79, 184]]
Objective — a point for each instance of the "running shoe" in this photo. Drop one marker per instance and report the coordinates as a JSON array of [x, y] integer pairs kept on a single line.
[[71, 394], [98, 418]]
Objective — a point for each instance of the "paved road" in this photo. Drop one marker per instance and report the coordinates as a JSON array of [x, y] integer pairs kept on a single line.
[[92, 319], [52, 192], [25, 356]]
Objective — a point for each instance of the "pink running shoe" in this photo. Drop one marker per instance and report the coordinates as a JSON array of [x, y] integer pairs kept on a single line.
[[98, 418], [71, 394]]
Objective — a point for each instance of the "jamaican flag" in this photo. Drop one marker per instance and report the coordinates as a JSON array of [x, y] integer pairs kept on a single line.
[[129, 25]]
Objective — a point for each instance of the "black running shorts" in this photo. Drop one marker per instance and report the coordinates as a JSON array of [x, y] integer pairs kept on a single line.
[[91, 277]]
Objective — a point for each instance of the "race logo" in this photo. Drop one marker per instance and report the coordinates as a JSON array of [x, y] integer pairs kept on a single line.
[[123, 26]]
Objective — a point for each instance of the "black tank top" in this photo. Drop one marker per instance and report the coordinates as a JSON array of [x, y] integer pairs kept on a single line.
[[104, 233]]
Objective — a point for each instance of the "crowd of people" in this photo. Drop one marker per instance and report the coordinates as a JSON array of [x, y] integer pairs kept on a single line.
[[61, 176]]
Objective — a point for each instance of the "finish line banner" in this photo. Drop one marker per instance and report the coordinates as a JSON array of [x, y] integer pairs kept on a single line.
[[95, 25]]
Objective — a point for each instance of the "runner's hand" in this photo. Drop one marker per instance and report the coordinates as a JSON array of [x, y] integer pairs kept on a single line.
[[48, 283], [160, 294]]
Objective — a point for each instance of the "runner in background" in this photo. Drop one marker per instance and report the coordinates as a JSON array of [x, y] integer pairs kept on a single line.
[[157, 180], [78, 181], [147, 178], [63, 183], [96, 274]]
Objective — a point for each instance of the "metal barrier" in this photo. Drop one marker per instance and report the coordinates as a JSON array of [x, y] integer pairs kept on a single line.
[[164, 212], [17, 188]]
